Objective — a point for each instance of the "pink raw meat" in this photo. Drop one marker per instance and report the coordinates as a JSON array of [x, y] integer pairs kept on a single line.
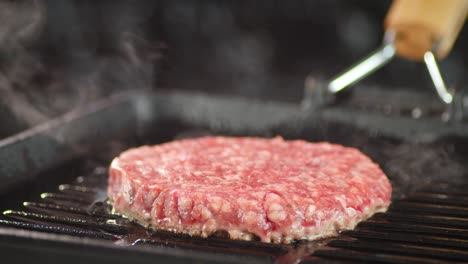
[[271, 188]]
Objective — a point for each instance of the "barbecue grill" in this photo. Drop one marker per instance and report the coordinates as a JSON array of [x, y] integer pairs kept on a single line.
[[54, 175]]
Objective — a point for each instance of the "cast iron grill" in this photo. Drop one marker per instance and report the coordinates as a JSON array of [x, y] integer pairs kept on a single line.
[[430, 225], [427, 227]]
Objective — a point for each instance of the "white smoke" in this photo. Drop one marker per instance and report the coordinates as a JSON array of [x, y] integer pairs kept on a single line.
[[58, 56]]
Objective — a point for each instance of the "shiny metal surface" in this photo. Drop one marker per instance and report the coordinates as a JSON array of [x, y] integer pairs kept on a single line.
[[433, 68], [363, 68]]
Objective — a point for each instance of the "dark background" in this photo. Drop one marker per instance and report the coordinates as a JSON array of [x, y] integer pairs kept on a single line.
[[57, 55]]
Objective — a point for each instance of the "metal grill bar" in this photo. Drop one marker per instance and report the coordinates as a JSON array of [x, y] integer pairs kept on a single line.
[[427, 219], [439, 198], [433, 209], [400, 249], [50, 208], [68, 198], [104, 224], [390, 227], [346, 255], [78, 188], [413, 239], [47, 207], [56, 229]]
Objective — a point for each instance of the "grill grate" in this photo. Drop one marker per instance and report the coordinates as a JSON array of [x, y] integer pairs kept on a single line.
[[427, 227]]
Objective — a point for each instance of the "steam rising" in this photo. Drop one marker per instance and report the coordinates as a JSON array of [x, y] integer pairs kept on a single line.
[[55, 57], [431, 164], [19, 24]]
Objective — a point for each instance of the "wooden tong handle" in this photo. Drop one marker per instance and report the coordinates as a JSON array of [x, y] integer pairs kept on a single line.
[[423, 25]]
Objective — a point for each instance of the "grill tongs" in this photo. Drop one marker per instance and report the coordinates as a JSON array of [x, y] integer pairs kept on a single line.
[[421, 30]]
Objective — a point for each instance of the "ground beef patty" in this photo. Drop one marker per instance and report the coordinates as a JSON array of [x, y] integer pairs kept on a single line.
[[271, 188]]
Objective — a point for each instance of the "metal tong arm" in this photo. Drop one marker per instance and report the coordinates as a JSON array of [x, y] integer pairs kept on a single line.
[[365, 67], [416, 30]]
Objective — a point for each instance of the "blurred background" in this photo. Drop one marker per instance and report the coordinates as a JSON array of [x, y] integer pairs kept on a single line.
[[57, 55]]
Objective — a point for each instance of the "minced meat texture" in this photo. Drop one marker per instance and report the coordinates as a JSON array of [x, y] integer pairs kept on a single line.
[[274, 189]]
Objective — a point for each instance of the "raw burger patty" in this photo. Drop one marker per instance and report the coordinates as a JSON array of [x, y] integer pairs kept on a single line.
[[270, 188]]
